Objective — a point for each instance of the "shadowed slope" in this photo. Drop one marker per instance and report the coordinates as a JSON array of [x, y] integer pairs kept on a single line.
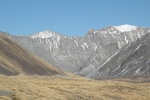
[[15, 60]]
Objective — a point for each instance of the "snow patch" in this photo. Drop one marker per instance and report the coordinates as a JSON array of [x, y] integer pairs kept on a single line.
[[44, 34], [125, 28], [138, 47]]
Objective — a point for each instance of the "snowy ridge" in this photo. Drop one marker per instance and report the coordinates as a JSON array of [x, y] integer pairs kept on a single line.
[[125, 28], [44, 34]]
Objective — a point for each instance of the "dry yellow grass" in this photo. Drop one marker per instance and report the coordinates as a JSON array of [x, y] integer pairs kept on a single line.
[[70, 88]]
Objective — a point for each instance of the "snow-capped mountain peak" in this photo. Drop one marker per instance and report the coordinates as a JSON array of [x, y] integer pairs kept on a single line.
[[44, 34], [125, 28]]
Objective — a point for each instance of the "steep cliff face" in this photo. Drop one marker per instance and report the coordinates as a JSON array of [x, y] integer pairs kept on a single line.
[[80, 55]]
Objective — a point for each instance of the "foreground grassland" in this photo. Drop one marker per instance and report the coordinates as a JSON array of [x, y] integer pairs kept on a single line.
[[70, 88]]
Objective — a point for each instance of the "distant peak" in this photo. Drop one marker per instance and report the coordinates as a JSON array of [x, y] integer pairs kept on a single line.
[[43, 34], [91, 29], [125, 27]]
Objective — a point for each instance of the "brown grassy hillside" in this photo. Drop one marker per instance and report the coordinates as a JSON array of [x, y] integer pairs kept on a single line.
[[70, 88], [15, 60]]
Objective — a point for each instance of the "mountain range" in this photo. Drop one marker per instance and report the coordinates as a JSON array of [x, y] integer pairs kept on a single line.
[[114, 51]]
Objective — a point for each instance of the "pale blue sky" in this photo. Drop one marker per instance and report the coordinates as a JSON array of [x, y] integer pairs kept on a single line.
[[70, 17]]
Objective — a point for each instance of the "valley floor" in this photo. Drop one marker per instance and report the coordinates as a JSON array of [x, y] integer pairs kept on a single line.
[[70, 88]]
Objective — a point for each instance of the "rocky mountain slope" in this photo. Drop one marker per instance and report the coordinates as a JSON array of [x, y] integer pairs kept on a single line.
[[132, 59], [15, 60], [80, 55]]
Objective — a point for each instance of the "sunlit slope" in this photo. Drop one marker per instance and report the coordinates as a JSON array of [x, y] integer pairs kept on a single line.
[[15, 60]]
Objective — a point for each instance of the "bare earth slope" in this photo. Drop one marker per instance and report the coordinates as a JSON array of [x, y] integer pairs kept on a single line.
[[70, 88], [15, 60]]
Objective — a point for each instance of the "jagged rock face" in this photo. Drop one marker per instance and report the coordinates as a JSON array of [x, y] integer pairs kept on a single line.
[[112, 35], [132, 59], [80, 55]]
